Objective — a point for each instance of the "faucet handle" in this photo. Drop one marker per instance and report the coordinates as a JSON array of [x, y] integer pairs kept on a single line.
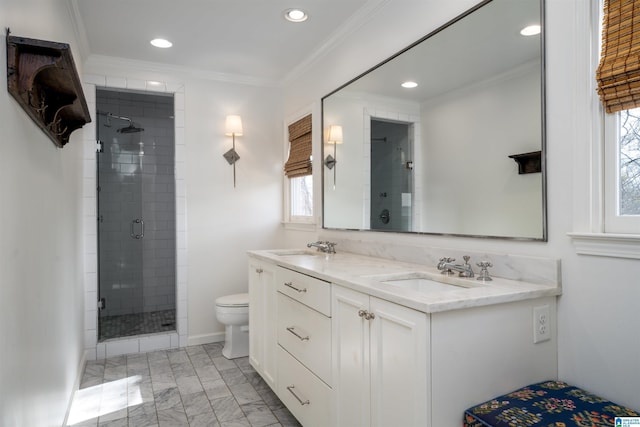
[[484, 272], [466, 259], [442, 265]]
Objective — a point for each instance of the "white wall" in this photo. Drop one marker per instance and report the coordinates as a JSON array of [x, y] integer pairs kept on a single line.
[[484, 177], [223, 222], [41, 292], [597, 321]]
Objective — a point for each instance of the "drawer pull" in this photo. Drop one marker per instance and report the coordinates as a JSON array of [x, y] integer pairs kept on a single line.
[[302, 402], [290, 285], [301, 338]]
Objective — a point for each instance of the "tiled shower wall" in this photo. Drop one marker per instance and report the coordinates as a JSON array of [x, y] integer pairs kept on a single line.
[[136, 178]]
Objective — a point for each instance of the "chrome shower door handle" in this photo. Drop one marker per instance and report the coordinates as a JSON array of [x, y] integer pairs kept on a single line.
[[131, 232]]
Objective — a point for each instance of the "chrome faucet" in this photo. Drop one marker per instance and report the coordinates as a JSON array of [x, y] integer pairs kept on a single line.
[[326, 247], [448, 267]]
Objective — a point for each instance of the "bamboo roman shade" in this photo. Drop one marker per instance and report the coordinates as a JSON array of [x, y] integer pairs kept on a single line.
[[299, 162], [618, 74]]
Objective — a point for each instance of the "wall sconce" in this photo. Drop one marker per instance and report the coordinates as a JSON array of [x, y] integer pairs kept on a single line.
[[335, 138], [233, 128]]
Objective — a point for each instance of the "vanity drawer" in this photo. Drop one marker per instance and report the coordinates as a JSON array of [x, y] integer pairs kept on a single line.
[[304, 394], [306, 334], [310, 291]]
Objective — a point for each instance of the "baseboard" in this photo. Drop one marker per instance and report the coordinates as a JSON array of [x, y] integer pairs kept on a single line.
[[76, 385], [205, 338]]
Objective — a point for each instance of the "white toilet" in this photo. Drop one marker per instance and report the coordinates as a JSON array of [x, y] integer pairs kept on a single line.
[[233, 312]]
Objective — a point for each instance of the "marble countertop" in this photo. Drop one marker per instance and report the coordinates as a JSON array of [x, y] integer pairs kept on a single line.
[[368, 274]]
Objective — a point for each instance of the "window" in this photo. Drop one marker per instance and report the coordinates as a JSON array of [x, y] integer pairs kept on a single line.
[[618, 74], [604, 222], [298, 170], [622, 172], [301, 194]]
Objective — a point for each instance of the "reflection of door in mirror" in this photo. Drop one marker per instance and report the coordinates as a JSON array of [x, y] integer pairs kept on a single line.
[[391, 175]]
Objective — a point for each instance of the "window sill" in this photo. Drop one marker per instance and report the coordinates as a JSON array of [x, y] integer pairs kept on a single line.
[[608, 245], [300, 226]]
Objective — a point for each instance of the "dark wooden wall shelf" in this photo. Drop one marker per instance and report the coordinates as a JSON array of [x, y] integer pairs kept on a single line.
[[528, 162], [42, 77]]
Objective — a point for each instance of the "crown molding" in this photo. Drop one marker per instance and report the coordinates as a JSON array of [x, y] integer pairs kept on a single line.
[[79, 29], [94, 64]]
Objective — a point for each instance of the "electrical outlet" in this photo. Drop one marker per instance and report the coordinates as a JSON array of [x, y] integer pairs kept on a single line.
[[541, 324]]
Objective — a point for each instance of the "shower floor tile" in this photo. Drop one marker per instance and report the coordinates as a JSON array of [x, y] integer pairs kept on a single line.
[[127, 325]]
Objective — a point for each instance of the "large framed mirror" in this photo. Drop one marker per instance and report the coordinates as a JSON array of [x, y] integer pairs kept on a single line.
[[463, 152]]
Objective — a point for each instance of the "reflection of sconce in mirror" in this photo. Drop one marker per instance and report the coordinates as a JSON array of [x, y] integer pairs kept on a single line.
[[233, 128], [335, 138]]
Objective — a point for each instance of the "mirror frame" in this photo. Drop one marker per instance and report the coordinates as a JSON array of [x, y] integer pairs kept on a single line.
[[543, 131]]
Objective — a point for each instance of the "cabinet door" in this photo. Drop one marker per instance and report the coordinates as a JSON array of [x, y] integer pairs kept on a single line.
[[350, 334], [262, 320], [399, 365]]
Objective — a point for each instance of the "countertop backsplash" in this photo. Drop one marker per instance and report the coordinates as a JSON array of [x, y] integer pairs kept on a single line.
[[544, 271]]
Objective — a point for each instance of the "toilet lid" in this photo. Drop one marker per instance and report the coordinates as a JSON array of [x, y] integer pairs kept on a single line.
[[234, 300]]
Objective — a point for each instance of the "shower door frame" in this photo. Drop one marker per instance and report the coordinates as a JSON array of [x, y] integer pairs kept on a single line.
[[136, 344], [130, 220]]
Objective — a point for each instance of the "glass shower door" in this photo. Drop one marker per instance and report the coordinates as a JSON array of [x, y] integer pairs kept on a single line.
[[121, 229]]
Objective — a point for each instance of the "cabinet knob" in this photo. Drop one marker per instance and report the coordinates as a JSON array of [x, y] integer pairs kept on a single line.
[[367, 315], [259, 270]]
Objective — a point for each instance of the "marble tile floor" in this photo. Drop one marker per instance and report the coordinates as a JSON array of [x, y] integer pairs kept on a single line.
[[193, 386]]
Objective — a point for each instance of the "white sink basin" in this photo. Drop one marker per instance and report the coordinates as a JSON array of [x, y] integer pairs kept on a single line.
[[423, 285], [295, 252]]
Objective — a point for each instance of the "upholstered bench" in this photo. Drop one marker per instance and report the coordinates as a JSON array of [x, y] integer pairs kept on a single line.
[[548, 404]]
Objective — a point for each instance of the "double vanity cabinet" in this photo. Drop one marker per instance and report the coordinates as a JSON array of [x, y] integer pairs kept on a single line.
[[341, 346]]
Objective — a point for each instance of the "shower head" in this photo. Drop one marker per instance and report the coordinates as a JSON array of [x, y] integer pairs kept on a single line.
[[130, 129], [127, 129]]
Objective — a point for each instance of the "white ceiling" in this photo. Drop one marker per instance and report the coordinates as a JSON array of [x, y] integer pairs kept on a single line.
[[482, 45], [243, 38]]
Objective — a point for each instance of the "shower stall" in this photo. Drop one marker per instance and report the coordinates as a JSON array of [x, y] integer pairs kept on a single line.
[[136, 213], [391, 175]]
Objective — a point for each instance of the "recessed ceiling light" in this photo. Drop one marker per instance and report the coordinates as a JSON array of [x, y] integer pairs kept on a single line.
[[162, 43], [295, 15], [531, 30], [409, 85]]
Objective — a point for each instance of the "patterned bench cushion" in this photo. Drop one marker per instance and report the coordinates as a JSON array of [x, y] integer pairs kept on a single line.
[[546, 404]]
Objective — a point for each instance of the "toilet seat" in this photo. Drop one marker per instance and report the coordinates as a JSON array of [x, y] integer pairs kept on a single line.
[[235, 300]]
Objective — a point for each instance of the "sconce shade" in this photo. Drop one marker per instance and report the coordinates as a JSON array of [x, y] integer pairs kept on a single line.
[[233, 126], [335, 134]]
